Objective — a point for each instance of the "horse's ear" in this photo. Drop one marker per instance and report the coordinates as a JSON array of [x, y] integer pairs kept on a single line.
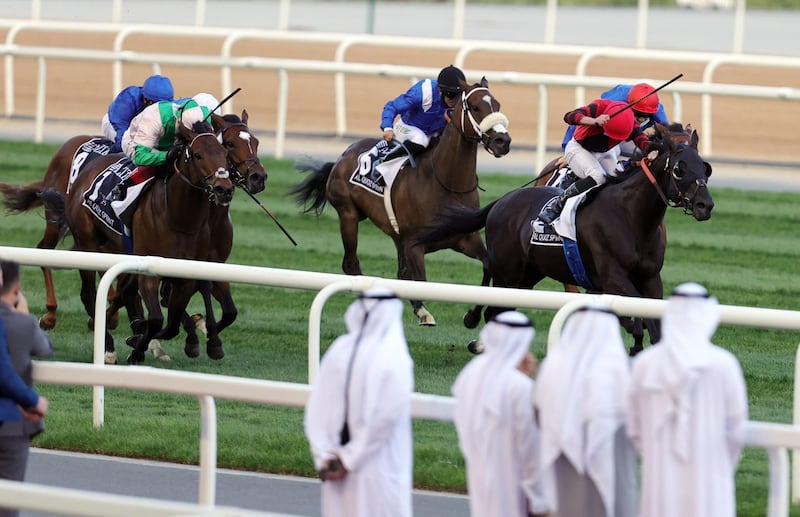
[[695, 139], [484, 82], [661, 129], [183, 132], [708, 169], [244, 117], [218, 122]]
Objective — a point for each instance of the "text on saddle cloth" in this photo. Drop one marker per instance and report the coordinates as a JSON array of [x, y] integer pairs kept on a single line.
[[376, 174], [84, 154], [97, 198]]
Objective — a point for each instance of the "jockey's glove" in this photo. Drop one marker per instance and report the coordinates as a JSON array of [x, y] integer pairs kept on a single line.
[[174, 153]]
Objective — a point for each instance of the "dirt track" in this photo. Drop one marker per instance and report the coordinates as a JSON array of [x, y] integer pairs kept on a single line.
[[743, 129]]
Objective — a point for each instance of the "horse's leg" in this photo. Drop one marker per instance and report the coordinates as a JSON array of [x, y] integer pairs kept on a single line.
[[115, 302], [222, 293], [213, 344], [411, 266], [348, 228], [472, 246], [49, 241], [148, 287], [88, 297]]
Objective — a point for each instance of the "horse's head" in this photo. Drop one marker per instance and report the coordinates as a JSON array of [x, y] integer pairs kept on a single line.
[[478, 116], [204, 161], [688, 171], [245, 167]]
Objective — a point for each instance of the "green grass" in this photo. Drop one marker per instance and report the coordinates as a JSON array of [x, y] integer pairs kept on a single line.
[[746, 255]]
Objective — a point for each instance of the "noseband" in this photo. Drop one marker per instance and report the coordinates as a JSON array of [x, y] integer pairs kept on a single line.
[[239, 176], [481, 129], [220, 173]]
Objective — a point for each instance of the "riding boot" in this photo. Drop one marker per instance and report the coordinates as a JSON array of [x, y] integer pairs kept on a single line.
[[553, 208]]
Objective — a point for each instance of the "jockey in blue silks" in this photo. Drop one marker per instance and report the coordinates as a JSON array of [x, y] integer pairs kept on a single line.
[[130, 102]]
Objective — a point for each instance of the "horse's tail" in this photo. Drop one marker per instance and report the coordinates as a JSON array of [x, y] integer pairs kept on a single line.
[[21, 198], [53, 201], [454, 220], [311, 191]]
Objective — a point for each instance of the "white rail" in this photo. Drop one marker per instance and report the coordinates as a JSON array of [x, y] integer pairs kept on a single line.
[[338, 67], [425, 406]]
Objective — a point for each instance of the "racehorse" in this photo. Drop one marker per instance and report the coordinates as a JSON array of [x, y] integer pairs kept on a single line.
[[618, 240], [444, 175], [172, 220], [246, 170]]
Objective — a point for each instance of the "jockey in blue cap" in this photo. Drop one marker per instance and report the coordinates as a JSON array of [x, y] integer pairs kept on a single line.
[[129, 103]]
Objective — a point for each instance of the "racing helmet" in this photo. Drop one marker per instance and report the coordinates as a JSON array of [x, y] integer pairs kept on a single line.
[[449, 78], [158, 88], [648, 105], [621, 125]]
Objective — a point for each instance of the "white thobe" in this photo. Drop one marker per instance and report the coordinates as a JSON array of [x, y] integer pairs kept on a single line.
[[378, 456], [496, 428], [687, 407]]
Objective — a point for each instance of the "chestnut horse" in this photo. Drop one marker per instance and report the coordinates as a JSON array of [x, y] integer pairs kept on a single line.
[[172, 220], [445, 175], [618, 238]]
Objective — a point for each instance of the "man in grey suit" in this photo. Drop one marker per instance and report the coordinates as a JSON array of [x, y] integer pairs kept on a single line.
[[25, 340]]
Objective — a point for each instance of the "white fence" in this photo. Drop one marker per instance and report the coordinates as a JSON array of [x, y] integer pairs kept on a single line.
[[776, 438], [339, 67]]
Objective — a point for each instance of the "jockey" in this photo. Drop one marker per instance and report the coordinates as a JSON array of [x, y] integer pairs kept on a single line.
[[150, 139], [129, 103], [593, 151], [421, 111], [647, 111]]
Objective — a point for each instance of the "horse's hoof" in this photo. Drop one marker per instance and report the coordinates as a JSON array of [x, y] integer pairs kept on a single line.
[[215, 352], [47, 322], [158, 352], [192, 350], [425, 318], [110, 358], [471, 319], [475, 346], [200, 323], [634, 350], [135, 357], [133, 340]]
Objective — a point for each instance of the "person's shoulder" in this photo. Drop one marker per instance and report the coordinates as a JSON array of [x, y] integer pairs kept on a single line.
[[617, 93]]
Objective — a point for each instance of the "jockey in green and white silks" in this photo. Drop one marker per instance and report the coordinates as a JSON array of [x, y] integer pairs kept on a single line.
[[150, 139]]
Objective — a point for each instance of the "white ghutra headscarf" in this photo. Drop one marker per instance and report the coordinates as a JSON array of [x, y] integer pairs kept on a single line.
[[689, 322], [580, 397]]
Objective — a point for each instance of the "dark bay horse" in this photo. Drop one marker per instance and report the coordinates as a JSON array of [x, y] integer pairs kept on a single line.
[[172, 220], [618, 233], [445, 175]]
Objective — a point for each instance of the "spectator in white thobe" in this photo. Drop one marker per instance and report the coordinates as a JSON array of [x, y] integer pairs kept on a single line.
[[580, 399], [687, 407], [358, 417], [494, 420]]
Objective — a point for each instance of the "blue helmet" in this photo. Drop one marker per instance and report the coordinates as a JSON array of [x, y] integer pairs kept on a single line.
[[158, 88]]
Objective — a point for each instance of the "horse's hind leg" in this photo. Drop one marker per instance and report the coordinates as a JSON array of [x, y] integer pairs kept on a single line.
[[472, 246], [411, 266], [348, 228], [49, 241]]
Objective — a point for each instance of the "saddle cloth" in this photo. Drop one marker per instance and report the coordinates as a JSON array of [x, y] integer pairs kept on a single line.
[[115, 215], [373, 173], [84, 154]]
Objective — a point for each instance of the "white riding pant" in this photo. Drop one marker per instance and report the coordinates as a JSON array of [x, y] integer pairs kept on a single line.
[[108, 130], [407, 133], [588, 164]]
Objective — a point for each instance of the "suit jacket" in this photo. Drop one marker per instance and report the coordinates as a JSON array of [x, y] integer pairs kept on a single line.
[[25, 340], [13, 389]]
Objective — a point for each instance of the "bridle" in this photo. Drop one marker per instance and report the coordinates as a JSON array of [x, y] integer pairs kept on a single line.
[[672, 163], [239, 176], [480, 129], [205, 186]]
